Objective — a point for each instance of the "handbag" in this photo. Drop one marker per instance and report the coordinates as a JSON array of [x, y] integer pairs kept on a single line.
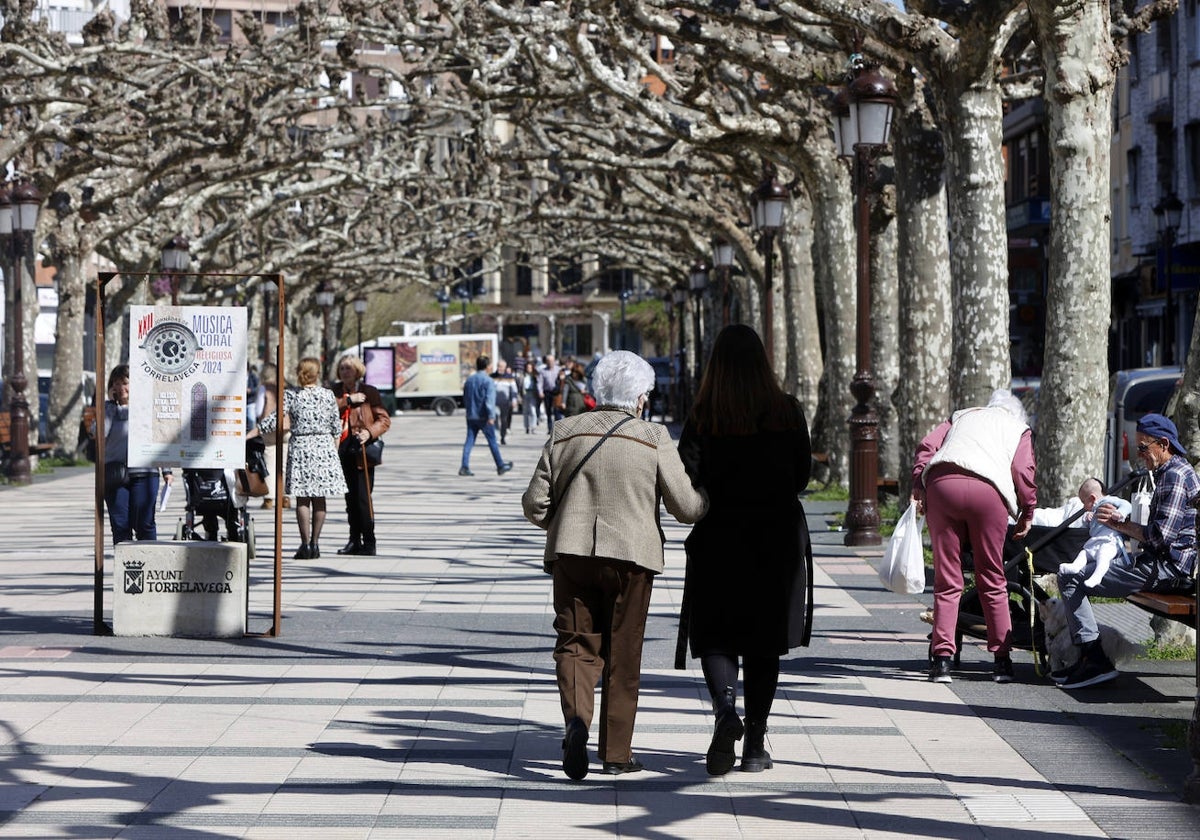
[[902, 567], [1140, 500], [589, 402], [374, 452], [116, 474]]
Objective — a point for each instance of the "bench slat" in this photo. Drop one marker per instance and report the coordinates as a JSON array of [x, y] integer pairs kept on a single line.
[[1169, 605]]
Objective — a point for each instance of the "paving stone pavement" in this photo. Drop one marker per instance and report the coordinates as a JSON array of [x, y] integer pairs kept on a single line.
[[411, 695]]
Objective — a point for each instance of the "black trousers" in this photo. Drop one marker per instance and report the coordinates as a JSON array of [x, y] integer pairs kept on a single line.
[[358, 500]]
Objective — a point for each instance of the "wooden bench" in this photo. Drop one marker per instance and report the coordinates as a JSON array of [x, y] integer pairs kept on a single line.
[[42, 449], [1175, 606]]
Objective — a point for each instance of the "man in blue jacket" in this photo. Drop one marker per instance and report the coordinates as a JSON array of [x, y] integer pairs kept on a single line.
[[479, 401]]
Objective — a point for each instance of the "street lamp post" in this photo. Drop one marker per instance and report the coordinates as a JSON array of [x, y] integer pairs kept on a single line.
[[18, 221], [174, 261], [672, 396], [360, 308], [464, 294], [624, 297], [1168, 213], [766, 213], [863, 112], [683, 404], [443, 297], [325, 301], [697, 283], [723, 262]]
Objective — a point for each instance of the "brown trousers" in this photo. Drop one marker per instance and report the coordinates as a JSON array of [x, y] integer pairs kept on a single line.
[[600, 609]]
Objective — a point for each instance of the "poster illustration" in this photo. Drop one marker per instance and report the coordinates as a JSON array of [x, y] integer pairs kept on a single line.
[[436, 365], [187, 386]]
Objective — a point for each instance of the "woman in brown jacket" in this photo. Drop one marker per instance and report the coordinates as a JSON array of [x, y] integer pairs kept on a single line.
[[596, 491], [363, 420]]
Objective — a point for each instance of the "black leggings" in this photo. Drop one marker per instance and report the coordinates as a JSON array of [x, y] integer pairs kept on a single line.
[[762, 678]]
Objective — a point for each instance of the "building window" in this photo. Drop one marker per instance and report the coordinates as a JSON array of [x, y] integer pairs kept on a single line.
[[1192, 138], [524, 275], [566, 275], [1133, 159], [1135, 52], [1193, 31], [1164, 46]]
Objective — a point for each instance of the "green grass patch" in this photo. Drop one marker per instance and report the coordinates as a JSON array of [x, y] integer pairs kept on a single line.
[[829, 493], [1169, 652]]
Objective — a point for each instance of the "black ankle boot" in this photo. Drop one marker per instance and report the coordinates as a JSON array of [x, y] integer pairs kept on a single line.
[[314, 553], [755, 757], [726, 731]]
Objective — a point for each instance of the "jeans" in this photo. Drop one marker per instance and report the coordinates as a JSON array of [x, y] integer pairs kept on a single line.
[[474, 427], [131, 508], [1123, 577]]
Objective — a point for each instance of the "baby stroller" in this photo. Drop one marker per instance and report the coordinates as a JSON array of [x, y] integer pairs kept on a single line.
[[216, 494], [1042, 550]]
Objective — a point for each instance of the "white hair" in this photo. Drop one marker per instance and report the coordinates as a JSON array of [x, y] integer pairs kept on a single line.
[[620, 378], [1004, 398]]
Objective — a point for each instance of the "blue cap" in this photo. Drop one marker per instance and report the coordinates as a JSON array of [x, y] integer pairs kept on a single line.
[[1158, 427]]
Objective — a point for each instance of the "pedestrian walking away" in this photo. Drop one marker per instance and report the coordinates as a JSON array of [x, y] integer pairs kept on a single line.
[[596, 492], [364, 420], [479, 403], [748, 587], [971, 474]]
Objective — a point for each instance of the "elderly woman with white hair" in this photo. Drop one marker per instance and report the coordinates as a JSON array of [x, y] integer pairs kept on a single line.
[[596, 491], [971, 473]]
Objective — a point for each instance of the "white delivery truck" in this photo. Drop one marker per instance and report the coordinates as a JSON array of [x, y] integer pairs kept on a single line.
[[426, 371]]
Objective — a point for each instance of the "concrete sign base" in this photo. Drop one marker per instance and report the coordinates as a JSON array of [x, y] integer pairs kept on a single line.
[[180, 589]]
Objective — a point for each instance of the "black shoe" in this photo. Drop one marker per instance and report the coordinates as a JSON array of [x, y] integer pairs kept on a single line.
[[575, 757], [1092, 670], [503, 468], [302, 553], [464, 471], [728, 729], [1002, 670], [366, 550], [939, 670], [314, 552], [1063, 674], [352, 547], [616, 768], [755, 757]]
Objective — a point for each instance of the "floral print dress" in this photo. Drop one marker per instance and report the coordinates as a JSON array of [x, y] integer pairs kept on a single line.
[[313, 468]]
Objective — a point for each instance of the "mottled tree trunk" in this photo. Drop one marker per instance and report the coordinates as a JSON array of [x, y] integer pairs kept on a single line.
[[925, 337], [885, 323], [834, 258], [1079, 59], [804, 361], [67, 397]]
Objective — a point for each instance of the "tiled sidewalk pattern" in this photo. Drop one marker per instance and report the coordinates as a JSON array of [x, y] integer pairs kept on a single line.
[[411, 695]]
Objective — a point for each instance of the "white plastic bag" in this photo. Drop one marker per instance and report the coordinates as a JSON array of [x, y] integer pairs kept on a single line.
[[902, 569], [1140, 500]]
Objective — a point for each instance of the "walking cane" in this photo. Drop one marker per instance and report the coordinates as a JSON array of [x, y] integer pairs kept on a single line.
[[362, 450]]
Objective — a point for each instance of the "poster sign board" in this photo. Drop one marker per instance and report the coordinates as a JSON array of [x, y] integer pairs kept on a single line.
[[187, 386], [437, 365], [379, 362]]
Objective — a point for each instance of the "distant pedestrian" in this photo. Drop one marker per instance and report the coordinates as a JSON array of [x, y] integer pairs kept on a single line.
[[506, 398], [479, 403], [596, 491], [313, 471], [529, 400], [548, 389], [749, 560]]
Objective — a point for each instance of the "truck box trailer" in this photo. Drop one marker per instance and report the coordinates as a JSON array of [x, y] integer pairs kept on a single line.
[[426, 371]]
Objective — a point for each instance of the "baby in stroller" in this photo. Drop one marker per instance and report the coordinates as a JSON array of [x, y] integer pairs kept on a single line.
[[215, 494], [1104, 544]]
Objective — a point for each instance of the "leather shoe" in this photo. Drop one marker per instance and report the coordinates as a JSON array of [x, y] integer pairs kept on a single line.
[[503, 468], [366, 551], [351, 547], [303, 553], [616, 768], [575, 757], [464, 471]]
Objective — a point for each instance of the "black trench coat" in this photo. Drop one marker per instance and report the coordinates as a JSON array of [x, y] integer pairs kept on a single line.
[[748, 588]]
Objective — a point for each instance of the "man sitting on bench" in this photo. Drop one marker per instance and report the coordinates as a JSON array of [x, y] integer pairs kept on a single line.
[[1164, 562]]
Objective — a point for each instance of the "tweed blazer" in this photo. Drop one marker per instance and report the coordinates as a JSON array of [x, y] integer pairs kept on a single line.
[[611, 509]]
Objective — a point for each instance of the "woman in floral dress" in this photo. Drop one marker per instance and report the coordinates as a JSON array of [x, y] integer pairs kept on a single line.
[[313, 468]]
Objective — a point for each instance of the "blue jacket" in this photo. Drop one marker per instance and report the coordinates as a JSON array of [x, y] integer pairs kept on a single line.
[[479, 396]]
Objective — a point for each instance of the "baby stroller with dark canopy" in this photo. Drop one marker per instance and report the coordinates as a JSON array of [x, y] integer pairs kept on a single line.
[[1041, 551], [219, 494]]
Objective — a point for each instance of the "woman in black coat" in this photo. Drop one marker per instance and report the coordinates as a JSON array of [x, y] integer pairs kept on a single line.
[[748, 591]]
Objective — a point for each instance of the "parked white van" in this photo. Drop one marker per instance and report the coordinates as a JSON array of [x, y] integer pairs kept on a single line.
[[1133, 393]]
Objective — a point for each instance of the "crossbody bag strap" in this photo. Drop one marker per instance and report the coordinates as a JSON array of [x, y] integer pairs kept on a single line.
[[567, 484]]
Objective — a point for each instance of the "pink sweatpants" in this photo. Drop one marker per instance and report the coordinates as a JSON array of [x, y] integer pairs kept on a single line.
[[962, 509]]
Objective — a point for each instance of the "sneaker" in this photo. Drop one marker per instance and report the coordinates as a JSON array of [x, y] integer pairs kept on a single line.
[[1062, 674], [1002, 670], [464, 471], [1091, 671], [939, 670]]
